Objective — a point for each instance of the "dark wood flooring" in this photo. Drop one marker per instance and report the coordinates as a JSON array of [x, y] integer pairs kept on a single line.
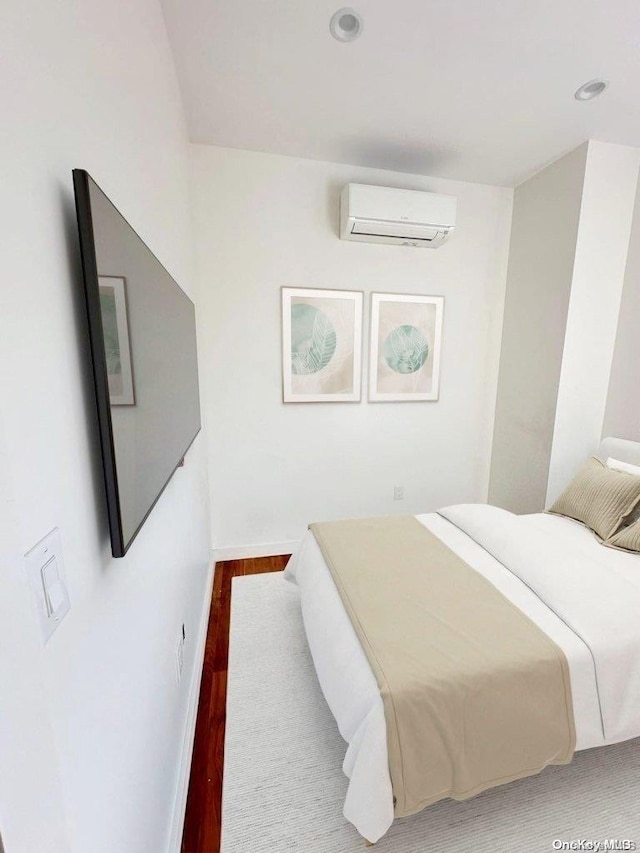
[[204, 801]]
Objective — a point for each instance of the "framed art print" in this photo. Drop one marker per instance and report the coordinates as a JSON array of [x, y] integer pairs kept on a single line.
[[115, 327], [321, 345], [406, 335]]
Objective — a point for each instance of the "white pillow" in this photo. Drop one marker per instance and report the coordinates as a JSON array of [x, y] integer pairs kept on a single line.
[[625, 467]]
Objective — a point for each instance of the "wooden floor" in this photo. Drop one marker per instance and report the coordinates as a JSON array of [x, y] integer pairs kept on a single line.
[[202, 821]]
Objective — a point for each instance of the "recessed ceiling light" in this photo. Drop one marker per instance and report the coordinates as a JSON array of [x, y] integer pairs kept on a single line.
[[591, 90], [345, 24]]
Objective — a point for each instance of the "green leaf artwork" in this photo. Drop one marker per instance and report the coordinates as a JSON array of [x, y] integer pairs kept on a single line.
[[110, 330], [405, 349], [313, 339]]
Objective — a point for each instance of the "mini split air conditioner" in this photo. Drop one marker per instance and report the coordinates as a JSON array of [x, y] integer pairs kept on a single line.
[[404, 217]]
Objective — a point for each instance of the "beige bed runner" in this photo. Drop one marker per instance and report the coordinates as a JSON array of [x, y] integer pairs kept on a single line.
[[475, 694]]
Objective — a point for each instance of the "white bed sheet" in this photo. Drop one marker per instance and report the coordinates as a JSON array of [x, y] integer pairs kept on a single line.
[[349, 685]]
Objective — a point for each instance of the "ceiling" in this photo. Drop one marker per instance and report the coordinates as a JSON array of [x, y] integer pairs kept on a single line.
[[478, 90]]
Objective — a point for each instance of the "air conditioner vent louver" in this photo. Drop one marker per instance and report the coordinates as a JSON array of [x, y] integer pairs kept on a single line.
[[403, 217], [402, 230]]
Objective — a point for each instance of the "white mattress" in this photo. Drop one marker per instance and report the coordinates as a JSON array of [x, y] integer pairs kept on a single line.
[[349, 685]]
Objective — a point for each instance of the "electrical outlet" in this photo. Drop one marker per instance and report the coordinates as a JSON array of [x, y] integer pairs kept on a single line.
[[398, 493]]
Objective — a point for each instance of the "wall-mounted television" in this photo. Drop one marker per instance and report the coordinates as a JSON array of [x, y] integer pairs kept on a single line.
[[143, 344]]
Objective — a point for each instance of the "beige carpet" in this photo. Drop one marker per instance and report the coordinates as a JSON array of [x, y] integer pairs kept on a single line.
[[283, 786]]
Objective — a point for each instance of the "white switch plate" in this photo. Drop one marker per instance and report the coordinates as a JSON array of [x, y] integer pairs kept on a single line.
[[45, 566]]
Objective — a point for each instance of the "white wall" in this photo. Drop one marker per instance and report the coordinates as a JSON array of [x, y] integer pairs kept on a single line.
[[546, 210], [263, 221], [32, 814], [622, 416], [602, 246], [88, 85]]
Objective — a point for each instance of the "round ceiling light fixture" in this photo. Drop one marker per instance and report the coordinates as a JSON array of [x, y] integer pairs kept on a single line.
[[345, 24], [591, 89]]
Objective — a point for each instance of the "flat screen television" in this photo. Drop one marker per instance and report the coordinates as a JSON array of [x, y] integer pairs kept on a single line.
[[143, 344]]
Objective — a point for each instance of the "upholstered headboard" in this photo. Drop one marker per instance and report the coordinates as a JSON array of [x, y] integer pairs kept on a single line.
[[619, 448]]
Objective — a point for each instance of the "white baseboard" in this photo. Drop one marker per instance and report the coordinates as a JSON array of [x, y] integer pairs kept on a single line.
[[263, 549], [182, 788]]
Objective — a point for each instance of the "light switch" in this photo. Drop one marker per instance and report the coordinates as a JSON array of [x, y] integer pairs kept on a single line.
[[46, 575], [53, 587]]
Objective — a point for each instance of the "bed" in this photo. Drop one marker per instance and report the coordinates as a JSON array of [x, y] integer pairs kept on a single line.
[[589, 609]]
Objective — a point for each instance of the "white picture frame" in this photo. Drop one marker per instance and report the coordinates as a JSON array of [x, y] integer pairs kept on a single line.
[[405, 347], [115, 327], [321, 345]]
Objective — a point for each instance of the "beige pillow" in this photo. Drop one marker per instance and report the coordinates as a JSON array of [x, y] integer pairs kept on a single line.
[[599, 497], [627, 539]]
